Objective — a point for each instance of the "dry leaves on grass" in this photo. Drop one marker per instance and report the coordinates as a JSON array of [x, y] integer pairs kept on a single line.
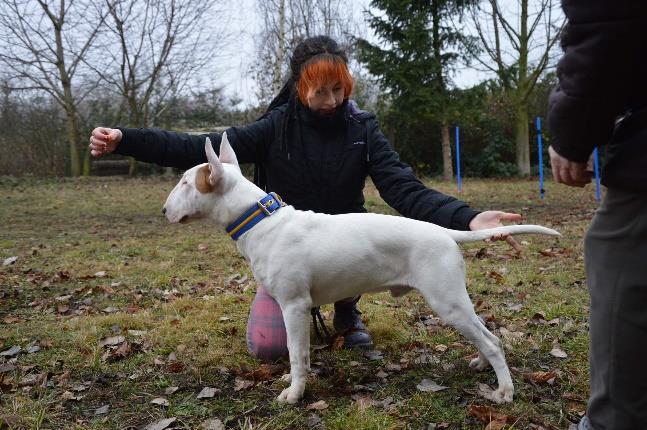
[[365, 400], [318, 406], [160, 401], [102, 410], [70, 396], [208, 393], [111, 341], [242, 384], [161, 424], [488, 415], [212, 424], [557, 351], [11, 352], [9, 261], [429, 386], [496, 276], [539, 378], [265, 372]]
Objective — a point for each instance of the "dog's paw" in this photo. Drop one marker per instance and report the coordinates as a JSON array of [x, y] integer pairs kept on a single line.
[[479, 364], [289, 395], [502, 395]]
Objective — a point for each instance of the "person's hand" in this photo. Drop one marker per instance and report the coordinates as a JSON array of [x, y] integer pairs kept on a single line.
[[104, 140], [492, 219], [568, 172]]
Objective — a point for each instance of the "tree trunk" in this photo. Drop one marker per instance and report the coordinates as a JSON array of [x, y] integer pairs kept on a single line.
[[136, 120], [87, 164], [73, 139], [522, 139], [522, 142], [448, 171], [71, 124]]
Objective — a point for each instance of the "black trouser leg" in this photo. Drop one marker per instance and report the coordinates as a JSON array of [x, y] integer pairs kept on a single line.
[[616, 268]]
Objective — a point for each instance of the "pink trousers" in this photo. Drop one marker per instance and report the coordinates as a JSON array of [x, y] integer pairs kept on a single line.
[[266, 336]]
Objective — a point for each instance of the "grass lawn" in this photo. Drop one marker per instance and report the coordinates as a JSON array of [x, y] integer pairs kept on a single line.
[[111, 318]]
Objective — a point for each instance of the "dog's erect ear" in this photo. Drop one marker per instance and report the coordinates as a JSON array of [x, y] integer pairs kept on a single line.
[[227, 154], [215, 166]]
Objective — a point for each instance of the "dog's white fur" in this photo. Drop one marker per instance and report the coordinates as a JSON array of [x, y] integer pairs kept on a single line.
[[306, 259]]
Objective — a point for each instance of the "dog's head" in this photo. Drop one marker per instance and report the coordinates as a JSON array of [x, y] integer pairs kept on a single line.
[[207, 190]]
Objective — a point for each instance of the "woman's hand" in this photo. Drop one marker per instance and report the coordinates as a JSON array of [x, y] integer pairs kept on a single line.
[[492, 219], [104, 140]]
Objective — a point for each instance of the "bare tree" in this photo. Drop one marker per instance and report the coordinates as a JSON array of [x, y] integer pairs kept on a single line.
[[154, 47], [43, 45], [518, 47]]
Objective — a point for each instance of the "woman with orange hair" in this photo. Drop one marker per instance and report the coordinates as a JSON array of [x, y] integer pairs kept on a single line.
[[315, 148]]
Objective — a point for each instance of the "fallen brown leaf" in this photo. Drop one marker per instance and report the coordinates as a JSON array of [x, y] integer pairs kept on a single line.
[[161, 424], [11, 352], [487, 414], [242, 384], [427, 385], [557, 351], [111, 341], [11, 320], [540, 377], [122, 352], [318, 406], [208, 393], [498, 278], [160, 401], [266, 372], [175, 367]]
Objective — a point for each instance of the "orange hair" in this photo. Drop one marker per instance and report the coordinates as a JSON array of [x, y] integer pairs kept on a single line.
[[322, 70]]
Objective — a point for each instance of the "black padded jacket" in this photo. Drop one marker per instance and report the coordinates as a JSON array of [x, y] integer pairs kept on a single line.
[[602, 95]]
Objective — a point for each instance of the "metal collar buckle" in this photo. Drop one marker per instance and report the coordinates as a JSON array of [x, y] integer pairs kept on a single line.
[[265, 207]]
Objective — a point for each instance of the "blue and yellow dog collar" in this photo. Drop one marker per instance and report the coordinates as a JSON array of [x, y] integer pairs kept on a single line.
[[262, 209]]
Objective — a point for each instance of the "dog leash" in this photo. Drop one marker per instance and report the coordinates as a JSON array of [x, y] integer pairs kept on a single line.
[[316, 315]]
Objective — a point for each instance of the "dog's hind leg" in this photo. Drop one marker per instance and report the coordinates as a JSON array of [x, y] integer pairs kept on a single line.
[[489, 346], [481, 362], [490, 350], [455, 308], [296, 317]]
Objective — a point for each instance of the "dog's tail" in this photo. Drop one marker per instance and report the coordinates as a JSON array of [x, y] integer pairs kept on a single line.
[[476, 235]]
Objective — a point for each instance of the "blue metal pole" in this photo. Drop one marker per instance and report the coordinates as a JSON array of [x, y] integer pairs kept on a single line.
[[596, 169], [458, 159], [540, 151]]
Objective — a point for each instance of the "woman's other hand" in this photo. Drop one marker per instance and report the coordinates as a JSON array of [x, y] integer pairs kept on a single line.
[[493, 219], [104, 140]]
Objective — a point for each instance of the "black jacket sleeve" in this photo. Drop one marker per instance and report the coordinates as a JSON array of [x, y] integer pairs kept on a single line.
[[604, 46], [400, 188], [184, 151]]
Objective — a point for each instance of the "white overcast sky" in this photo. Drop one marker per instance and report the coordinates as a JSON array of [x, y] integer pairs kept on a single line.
[[244, 23]]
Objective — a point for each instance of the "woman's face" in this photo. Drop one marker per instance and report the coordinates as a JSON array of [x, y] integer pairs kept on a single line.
[[326, 99]]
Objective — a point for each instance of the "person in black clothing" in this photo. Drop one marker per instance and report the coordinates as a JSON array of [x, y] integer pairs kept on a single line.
[[314, 147], [602, 100]]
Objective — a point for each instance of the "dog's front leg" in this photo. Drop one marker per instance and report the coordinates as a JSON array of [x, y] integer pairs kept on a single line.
[[295, 316]]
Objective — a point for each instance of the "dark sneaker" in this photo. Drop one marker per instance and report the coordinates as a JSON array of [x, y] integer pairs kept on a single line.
[[348, 323]]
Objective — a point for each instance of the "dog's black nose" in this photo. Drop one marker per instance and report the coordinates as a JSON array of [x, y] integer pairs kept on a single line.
[[164, 211]]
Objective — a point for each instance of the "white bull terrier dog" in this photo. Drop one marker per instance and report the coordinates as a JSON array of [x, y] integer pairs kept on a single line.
[[305, 259]]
